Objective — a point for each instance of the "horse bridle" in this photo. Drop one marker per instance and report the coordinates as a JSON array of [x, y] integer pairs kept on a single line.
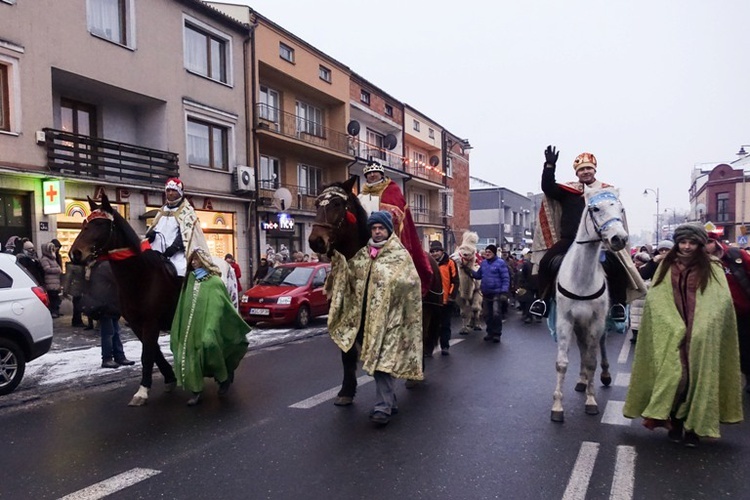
[[329, 194], [599, 228], [99, 214]]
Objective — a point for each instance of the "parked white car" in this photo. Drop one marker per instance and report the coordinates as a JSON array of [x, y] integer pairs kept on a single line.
[[25, 322]]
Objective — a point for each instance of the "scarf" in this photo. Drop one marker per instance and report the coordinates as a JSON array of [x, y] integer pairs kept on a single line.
[[200, 273], [375, 247]]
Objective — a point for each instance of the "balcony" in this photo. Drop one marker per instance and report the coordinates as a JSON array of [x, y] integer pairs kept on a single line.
[[424, 216], [274, 120], [303, 198], [720, 217], [423, 171], [89, 157], [379, 154]]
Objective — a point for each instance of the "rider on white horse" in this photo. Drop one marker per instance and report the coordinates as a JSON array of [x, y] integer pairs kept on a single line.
[[557, 240]]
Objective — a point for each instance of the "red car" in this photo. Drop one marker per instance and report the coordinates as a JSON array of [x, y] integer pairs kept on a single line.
[[291, 293]]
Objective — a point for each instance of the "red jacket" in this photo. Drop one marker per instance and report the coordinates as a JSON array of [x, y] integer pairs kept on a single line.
[[739, 297]]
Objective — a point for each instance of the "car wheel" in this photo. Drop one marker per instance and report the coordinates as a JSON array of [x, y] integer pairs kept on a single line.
[[12, 366], [303, 316]]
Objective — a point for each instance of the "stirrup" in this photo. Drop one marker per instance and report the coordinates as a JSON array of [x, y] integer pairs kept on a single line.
[[617, 313], [538, 308]]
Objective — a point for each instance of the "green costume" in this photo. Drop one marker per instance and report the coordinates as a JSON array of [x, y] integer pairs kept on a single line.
[[208, 336], [392, 302], [713, 393]]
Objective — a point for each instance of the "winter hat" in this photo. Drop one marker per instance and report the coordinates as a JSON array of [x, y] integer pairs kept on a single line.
[[491, 248], [584, 160], [10, 245], [176, 184], [436, 245], [664, 244], [642, 257], [373, 166], [381, 217], [691, 232]]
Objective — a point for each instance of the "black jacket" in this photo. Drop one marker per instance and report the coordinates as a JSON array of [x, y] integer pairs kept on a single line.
[[100, 297], [571, 203]]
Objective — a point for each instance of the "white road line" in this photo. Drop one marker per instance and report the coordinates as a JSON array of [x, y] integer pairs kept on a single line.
[[326, 395], [613, 414], [112, 485], [624, 478], [622, 379], [581, 475], [625, 351]]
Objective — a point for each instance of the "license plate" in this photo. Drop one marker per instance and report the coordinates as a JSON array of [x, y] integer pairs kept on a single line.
[[260, 312]]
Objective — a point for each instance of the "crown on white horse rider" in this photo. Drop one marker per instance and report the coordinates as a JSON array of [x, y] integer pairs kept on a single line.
[[559, 217]]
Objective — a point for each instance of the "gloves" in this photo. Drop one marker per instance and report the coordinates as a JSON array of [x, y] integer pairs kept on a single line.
[[151, 236], [176, 246], [550, 156]]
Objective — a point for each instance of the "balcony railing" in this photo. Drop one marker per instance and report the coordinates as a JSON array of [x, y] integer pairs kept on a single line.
[[371, 152], [424, 216], [91, 157], [720, 217], [423, 172], [303, 198], [309, 131]]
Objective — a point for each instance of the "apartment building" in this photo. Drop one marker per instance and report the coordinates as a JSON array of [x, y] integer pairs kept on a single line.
[[116, 96], [455, 203], [501, 216]]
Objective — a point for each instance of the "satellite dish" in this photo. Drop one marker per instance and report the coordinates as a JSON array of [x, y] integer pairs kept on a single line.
[[434, 161], [390, 141], [282, 199], [353, 127]]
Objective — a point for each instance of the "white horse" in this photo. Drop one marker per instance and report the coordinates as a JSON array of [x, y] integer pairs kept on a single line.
[[581, 295]]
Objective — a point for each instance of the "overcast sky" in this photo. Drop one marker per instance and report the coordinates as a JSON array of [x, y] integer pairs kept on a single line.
[[652, 88]]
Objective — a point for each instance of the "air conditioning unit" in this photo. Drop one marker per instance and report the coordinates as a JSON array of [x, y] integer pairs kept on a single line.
[[243, 179]]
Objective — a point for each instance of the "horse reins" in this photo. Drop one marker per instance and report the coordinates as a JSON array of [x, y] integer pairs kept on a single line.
[[328, 195], [117, 253], [589, 213]]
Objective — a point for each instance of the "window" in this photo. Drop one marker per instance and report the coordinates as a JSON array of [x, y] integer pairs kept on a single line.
[[388, 110], [430, 133], [269, 172], [310, 180], [109, 19], [206, 52], [4, 99], [722, 207], [309, 119], [415, 126], [417, 160], [324, 73], [448, 204], [375, 143], [269, 104], [419, 207], [449, 167], [286, 52], [207, 144], [364, 96]]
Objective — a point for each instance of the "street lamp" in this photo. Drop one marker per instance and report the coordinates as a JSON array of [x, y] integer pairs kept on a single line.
[[656, 193], [742, 151]]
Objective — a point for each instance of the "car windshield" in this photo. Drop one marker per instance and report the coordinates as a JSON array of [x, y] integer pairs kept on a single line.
[[291, 276]]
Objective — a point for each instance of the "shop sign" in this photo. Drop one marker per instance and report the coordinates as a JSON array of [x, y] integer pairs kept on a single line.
[[53, 194], [284, 222]]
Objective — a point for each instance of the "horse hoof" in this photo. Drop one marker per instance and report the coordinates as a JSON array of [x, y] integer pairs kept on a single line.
[[592, 410], [606, 380], [557, 416], [580, 387], [343, 401], [138, 401], [170, 386]]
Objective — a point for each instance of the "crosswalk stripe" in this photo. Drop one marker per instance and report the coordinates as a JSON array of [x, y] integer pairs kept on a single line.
[[624, 477], [112, 485], [324, 396], [581, 475], [613, 414], [622, 379]]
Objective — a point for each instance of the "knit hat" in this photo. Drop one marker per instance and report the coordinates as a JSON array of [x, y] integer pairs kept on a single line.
[[176, 184], [690, 232], [436, 245], [642, 257], [491, 248], [664, 244], [584, 160], [381, 217], [373, 166]]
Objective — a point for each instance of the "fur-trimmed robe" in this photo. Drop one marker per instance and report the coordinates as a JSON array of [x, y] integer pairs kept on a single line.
[[714, 392], [388, 287], [469, 299]]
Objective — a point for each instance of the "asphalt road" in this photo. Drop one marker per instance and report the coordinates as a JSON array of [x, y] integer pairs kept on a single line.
[[478, 428]]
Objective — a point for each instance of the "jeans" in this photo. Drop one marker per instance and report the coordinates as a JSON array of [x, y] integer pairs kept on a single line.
[[492, 313], [386, 398], [111, 342]]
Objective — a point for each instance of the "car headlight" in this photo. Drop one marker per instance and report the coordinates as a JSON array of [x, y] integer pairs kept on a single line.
[[284, 301], [244, 299]]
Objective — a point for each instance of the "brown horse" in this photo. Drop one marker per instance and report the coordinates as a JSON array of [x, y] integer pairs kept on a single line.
[[148, 291], [341, 225]]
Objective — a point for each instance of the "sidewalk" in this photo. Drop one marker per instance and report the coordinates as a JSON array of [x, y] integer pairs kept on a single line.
[[65, 337]]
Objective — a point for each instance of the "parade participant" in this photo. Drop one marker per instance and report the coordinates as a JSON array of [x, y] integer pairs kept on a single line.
[[176, 230], [525, 286], [208, 336], [686, 370], [566, 203], [449, 276], [52, 282], [376, 304], [229, 258], [382, 193], [493, 271], [736, 264]]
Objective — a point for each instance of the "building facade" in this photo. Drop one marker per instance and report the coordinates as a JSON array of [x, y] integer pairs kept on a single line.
[[501, 217]]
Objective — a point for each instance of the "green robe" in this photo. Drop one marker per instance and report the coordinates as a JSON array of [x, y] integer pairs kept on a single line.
[[208, 336], [714, 393], [392, 340]]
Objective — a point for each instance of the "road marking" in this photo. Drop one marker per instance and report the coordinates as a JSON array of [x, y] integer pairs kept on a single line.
[[625, 350], [624, 478], [112, 485], [622, 379], [613, 414], [326, 395], [581, 475]]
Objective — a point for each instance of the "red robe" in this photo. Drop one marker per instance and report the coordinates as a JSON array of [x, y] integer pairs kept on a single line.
[[392, 199]]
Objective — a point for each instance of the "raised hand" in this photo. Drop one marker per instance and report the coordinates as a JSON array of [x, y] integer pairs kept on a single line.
[[550, 155]]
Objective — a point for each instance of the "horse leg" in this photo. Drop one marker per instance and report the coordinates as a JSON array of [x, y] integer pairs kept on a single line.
[[345, 397], [588, 364], [605, 377], [561, 366], [170, 380], [583, 381], [140, 398]]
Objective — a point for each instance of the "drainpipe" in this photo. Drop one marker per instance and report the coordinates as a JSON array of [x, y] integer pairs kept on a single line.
[[252, 155]]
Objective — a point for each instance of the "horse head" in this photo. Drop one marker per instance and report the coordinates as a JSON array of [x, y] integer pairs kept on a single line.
[[606, 214], [103, 230], [340, 222]]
